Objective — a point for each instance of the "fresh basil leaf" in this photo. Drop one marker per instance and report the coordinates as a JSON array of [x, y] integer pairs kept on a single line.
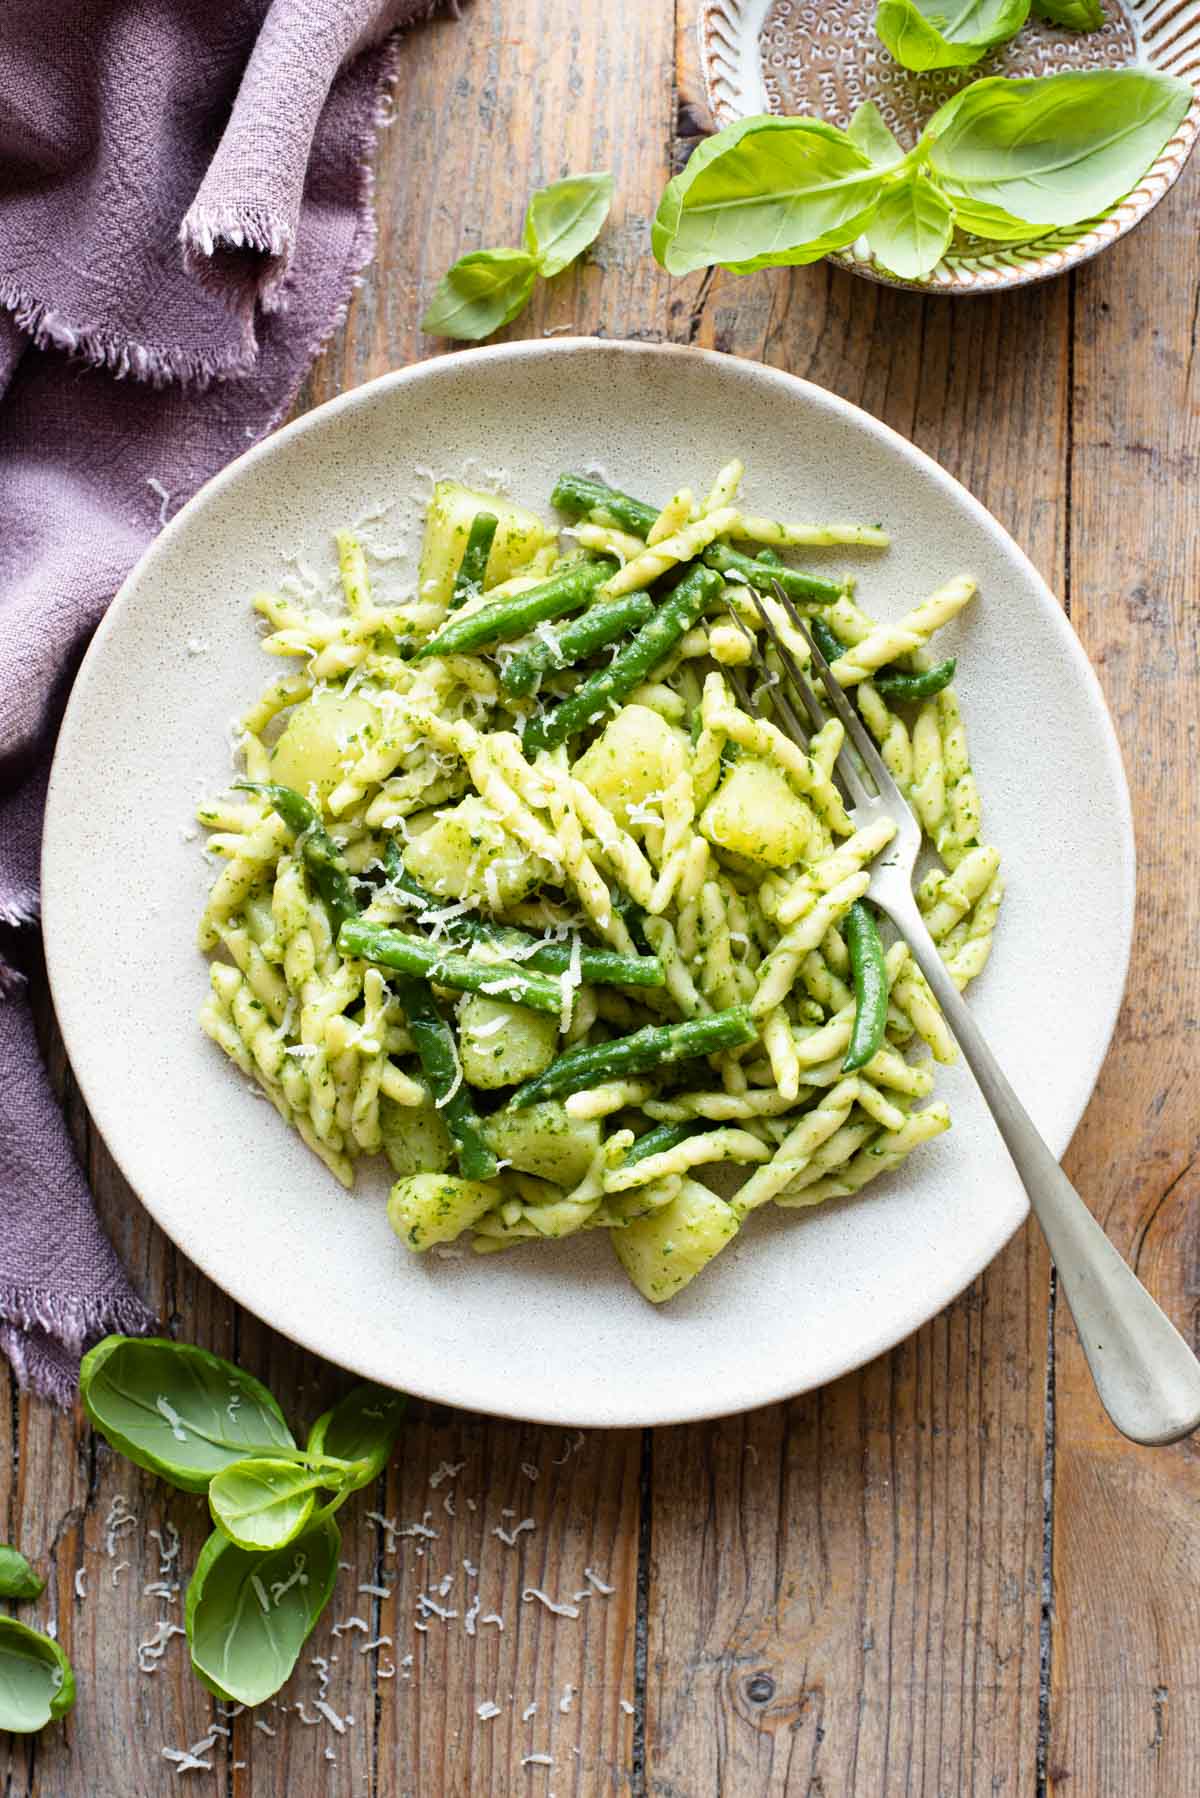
[[564, 218], [17, 1578], [36, 1680], [263, 1504], [993, 223], [762, 193], [1057, 148], [1080, 15], [911, 227], [946, 34], [360, 1428], [869, 133], [248, 1615], [480, 293], [177, 1410]]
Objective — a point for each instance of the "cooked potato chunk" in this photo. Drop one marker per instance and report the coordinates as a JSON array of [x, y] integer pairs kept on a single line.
[[519, 535], [665, 1250], [755, 813]]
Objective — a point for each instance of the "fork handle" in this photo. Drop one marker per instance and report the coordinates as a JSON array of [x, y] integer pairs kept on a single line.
[[1146, 1374]]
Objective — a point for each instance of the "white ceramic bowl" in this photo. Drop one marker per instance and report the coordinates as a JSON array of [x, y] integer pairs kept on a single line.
[[823, 57], [555, 1332]]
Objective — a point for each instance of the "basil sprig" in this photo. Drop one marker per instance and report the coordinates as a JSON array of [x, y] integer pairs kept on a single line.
[[265, 1574], [1002, 159], [488, 288]]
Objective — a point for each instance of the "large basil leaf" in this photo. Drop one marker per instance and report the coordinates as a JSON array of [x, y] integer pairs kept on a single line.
[[947, 34], [869, 133], [177, 1410], [360, 1428], [1080, 15], [36, 1681], [248, 1615], [911, 227], [564, 218], [17, 1578], [265, 1504], [1058, 148], [480, 293], [994, 223], [765, 192]]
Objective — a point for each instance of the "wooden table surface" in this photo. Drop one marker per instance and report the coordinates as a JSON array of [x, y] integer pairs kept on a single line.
[[944, 1574]]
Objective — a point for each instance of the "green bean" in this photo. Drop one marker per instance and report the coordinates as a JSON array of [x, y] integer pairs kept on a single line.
[[469, 580], [434, 1043], [580, 496], [655, 1046], [895, 683], [322, 857], [565, 591], [446, 967], [771, 557], [806, 587], [869, 973], [826, 640], [597, 967], [631, 665], [664, 1137], [605, 622]]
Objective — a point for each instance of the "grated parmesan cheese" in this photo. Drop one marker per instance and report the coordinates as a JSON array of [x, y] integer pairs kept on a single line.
[[487, 1710], [80, 1582], [151, 1651], [509, 1537], [331, 1717], [559, 1610], [445, 1470], [339, 1629], [593, 1579]]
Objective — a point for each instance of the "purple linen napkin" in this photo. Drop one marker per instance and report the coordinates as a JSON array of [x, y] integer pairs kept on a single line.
[[185, 206]]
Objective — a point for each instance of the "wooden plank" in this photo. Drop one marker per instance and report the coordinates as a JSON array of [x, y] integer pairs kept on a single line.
[[1125, 1656], [879, 1617]]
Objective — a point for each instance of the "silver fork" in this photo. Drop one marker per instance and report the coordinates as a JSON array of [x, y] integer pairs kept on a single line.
[[1147, 1376]]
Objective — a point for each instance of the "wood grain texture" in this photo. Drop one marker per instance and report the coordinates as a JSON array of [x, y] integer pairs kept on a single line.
[[1124, 1716], [842, 1595]]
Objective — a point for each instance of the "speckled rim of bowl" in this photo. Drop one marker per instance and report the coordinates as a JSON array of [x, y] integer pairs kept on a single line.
[[1169, 35]]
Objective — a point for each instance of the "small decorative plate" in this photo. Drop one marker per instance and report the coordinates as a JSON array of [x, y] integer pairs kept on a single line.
[[822, 57]]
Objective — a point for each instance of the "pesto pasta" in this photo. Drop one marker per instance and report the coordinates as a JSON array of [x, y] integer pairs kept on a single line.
[[522, 888]]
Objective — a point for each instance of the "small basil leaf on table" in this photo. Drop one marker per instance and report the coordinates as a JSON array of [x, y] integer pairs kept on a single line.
[[564, 218], [265, 1504], [868, 131], [946, 34], [911, 227], [179, 1411], [480, 293], [765, 192], [360, 1428], [36, 1681], [1080, 15], [248, 1615], [1058, 148], [17, 1577]]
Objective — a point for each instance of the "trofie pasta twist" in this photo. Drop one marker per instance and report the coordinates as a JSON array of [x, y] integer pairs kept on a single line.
[[522, 888]]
